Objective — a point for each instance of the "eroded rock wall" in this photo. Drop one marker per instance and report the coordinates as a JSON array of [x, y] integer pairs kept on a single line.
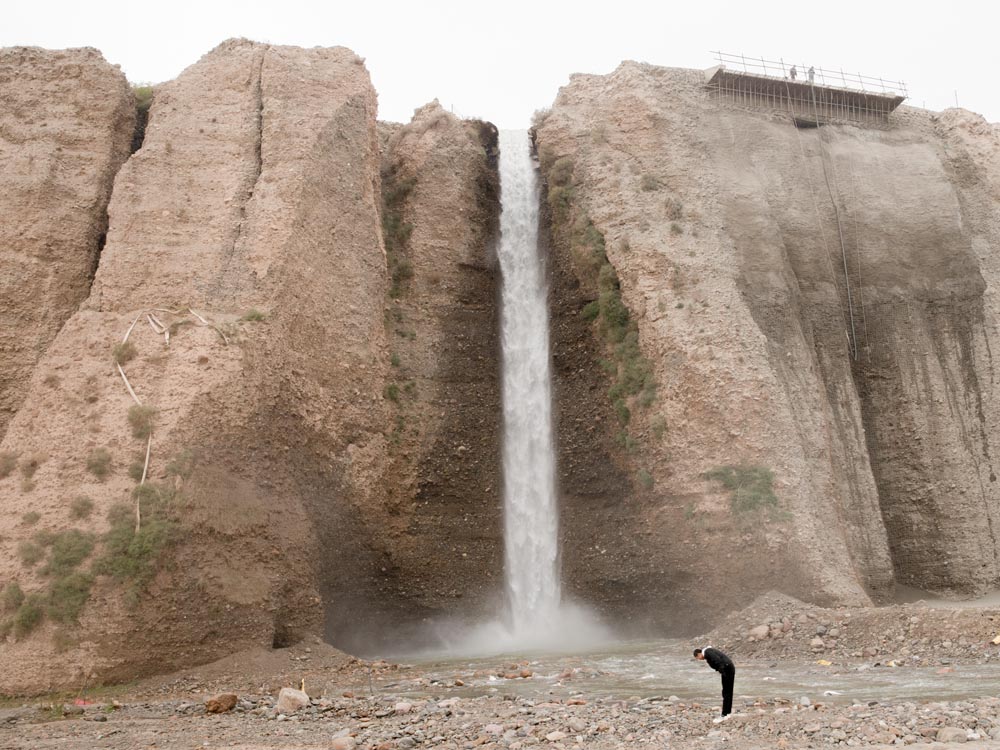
[[439, 530], [65, 129], [248, 226], [872, 412]]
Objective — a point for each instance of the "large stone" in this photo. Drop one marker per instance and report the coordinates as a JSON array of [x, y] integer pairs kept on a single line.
[[760, 632], [290, 700], [221, 703], [952, 734]]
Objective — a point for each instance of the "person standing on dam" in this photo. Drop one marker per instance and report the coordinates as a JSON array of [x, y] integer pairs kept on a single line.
[[724, 666]]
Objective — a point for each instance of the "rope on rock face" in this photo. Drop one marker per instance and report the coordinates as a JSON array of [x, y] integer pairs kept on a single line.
[[853, 339]]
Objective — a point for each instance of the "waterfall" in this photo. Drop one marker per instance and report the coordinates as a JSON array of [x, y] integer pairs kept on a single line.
[[535, 616], [530, 511]]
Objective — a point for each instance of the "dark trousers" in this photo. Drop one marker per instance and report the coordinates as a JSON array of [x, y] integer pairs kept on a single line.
[[728, 678]]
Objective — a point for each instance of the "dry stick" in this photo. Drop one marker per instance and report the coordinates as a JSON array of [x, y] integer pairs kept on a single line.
[[129, 331], [156, 325], [128, 385], [145, 468], [213, 327]]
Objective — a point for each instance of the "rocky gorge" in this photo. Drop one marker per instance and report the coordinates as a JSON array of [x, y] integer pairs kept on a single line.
[[249, 379]]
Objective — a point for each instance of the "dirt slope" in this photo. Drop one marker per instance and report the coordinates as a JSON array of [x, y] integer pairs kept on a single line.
[[65, 128], [872, 415]]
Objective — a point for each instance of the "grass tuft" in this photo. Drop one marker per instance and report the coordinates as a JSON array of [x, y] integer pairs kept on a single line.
[[69, 549], [99, 463], [11, 597], [31, 518], [750, 487], [254, 316], [81, 507], [141, 419], [29, 615], [123, 353]]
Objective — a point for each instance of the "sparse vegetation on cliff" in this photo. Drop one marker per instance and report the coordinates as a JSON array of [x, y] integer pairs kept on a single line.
[[141, 420], [396, 231], [122, 353], [632, 375], [99, 463], [750, 487], [131, 554], [81, 507]]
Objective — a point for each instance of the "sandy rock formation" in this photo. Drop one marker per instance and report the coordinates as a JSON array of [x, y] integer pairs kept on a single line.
[[866, 395], [248, 226], [439, 526], [65, 129]]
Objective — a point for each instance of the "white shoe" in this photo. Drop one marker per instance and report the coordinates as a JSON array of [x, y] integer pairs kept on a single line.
[[720, 719]]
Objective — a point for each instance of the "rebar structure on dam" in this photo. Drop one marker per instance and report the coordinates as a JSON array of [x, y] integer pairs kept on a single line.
[[815, 98]]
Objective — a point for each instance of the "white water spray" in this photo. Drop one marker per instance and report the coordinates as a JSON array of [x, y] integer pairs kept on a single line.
[[530, 513]]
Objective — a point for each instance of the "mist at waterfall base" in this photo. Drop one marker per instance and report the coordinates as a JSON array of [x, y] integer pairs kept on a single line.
[[534, 616]]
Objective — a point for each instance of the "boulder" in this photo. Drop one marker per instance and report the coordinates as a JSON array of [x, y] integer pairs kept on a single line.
[[291, 700], [221, 703], [952, 734]]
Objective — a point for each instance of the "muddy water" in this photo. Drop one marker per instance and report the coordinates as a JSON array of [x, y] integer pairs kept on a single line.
[[665, 668]]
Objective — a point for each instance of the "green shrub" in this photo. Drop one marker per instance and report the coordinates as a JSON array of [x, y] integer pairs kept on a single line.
[[181, 465], [392, 392], [30, 552], [395, 231], [645, 479], [141, 419], [649, 183], [99, 463], [591, 310], [11, 597], [676, 228], [69, 549], [81, 507], [31, 518], [561, 173], [750, 487], [622, 411], [135, 470], [28, 615], [394, 360], [131, 556], [67, 596], [254, 316], [124, 352], [8, 462]]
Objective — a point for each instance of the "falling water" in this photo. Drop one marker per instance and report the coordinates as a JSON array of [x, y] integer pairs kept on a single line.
[[530, 512], [535, 617]]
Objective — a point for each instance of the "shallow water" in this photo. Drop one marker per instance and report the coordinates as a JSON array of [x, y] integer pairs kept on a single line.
[[665, 668]]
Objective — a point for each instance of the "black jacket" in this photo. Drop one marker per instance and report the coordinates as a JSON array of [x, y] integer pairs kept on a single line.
[[717, 660]]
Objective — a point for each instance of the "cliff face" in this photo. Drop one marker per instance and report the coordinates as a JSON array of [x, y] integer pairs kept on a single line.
[[317, 414], [65, 128], [438, 529], [816, 310]]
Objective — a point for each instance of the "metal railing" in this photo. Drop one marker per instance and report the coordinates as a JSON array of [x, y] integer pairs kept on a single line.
[[781, 69]]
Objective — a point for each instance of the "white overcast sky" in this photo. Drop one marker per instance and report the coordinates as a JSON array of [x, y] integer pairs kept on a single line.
[[503, 60]]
